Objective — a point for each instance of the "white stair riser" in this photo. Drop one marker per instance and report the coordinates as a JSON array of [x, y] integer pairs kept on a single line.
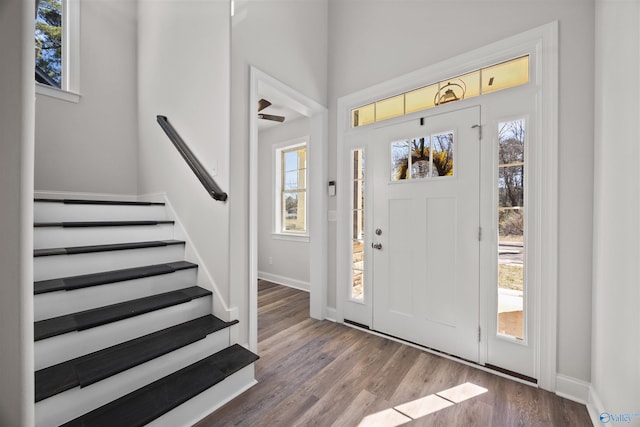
[[64, 237], [72, 403], [56, 212], [60, 348], [53, 304], [195, 409], [56, 266]]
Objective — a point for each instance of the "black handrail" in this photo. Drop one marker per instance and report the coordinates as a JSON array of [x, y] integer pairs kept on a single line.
[[195, 165]]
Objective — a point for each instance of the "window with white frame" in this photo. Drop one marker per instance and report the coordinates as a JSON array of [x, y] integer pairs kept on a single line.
[[56, 46], [291, 189]]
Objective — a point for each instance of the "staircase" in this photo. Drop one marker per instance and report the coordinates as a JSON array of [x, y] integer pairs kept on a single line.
[[123, 334]]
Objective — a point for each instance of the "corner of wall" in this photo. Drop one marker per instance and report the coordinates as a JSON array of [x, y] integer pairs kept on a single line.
[[17, 118], [594, 406], [572, 389]]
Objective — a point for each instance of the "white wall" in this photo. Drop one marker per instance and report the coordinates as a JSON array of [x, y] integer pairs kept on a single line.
[[16, 212], [289, 258], [615, 373], [286, 39], [183, 72], [373, 41], [91, 146]]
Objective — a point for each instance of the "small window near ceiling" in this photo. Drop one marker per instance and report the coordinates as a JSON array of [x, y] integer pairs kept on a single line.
[[291, 189], [48, 40], [56, 45]]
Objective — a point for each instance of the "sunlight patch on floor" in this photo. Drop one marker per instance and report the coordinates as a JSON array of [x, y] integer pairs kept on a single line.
[[462, 392], [386, 418], [424, 406]]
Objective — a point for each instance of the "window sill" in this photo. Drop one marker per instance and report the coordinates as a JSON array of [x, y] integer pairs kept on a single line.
[[57, 93], [291, 237]]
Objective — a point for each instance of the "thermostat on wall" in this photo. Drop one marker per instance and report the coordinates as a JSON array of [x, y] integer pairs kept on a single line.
[[332, 188]]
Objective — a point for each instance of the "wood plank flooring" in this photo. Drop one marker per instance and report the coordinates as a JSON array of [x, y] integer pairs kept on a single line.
[[318, 373]]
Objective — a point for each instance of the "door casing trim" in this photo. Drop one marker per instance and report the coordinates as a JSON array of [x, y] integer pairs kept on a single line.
[[543, 41], [262, 83]]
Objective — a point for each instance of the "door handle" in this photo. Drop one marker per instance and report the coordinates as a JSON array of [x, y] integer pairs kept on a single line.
[[377, 246]]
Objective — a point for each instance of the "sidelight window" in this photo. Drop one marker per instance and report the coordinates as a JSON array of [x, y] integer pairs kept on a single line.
[[357, 224], [511, 228]]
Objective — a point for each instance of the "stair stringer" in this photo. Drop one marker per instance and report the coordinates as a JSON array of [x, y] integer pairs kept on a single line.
[[205, 279]]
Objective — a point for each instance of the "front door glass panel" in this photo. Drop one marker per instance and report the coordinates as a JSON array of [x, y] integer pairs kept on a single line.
[[423, 157]]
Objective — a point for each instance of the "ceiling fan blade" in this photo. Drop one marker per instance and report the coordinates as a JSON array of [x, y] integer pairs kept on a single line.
[[262, 104], [271, 117]]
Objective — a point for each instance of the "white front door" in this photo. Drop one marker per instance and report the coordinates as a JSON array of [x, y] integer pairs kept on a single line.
[[425, 226]]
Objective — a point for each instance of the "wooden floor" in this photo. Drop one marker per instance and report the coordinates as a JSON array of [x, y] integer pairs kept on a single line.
[[319, 373]]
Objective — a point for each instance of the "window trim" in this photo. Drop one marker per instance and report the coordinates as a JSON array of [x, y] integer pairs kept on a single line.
[[70, 56], [277, 150]]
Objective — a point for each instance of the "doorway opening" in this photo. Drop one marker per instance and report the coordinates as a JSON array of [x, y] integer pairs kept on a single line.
[[293, 216]]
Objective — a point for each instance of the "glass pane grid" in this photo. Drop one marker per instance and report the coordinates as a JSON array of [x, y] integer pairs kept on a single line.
[[423, 158], [293, 190]]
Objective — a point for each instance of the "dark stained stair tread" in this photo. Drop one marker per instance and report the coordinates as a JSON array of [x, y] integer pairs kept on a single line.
[[152, 401], [88, 369], [95, 279], [104, 248], [79, 224], [112, 313], [98, 202]]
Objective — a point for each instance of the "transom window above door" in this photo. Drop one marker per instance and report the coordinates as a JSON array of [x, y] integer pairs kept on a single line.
[[504, 75]]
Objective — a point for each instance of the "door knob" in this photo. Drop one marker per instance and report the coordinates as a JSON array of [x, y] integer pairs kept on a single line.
[[376, 246]]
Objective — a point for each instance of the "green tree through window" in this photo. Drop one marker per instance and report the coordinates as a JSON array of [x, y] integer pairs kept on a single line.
[[48, 42]]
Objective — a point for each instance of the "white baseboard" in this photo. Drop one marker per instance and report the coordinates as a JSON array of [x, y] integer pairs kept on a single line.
[[44, 194], [285, 281], [594, 406], [572, 388], [330, 314], [152, 197]]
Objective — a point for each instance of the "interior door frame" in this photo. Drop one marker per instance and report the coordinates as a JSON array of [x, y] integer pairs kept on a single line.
[[261, 84], [543, 43]]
